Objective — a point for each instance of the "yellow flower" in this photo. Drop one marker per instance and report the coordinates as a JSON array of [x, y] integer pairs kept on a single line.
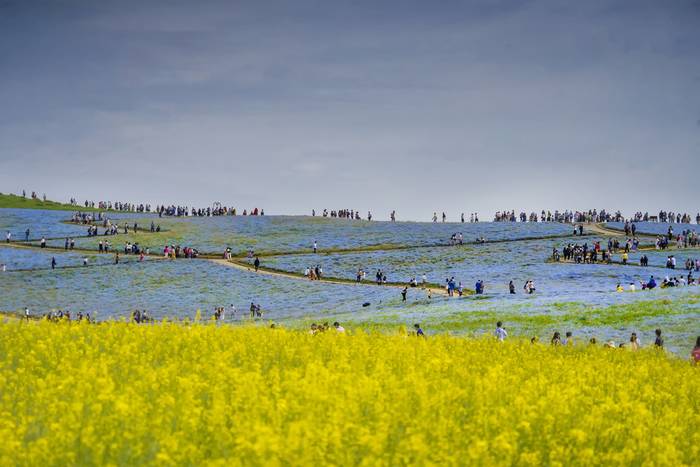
[[194, 393]]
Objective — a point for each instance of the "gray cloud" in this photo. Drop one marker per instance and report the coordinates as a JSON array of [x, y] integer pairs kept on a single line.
[[456, 106]]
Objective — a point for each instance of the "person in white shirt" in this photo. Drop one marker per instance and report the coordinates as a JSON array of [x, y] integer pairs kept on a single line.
[[500, 332], [338, 327], [3, 267], [233, 310]]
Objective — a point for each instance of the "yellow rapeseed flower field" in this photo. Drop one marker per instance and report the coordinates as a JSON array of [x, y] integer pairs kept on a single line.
[[200, 394]]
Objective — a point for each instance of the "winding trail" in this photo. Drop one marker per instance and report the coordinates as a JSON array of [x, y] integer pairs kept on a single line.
[[601, 229], [328, 280]]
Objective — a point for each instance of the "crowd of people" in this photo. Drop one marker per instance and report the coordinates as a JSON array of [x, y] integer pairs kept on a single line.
[[342, 214], [216, 210], [452, 287], [668, 281], [314, 273], [593, 215], [321, 328], [634, 342], [115, 206], [457, 238], [60, 316], [567, 217], [176, 251]]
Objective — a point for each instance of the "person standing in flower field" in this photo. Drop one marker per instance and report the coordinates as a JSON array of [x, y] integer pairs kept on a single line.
[[419, 330], [659, 342], [695, 354], [500, 332], [634, 341]]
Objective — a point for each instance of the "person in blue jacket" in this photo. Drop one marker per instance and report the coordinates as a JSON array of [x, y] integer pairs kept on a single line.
[[652, 283]]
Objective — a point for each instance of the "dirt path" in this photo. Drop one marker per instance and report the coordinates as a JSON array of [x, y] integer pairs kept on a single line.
[[602, 230], [329, 280]]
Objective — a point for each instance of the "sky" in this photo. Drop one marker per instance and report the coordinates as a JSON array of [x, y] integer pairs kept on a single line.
[[416, 106]]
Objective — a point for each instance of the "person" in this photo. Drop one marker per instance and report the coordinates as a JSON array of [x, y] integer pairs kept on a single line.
[[511, 288], [419, 330], [8, 236], [634, 342], [424, 279], [3, 267], [26, 313], [315, 247], [632, 287], [53, 262], [659, 341], [652, 283], [338, 327], [695, 354], [500, 332], [43, 242], [26, 235], [619, 287], [256, 263], [233, 311], [116, 257], [85, 261], [556, 338], [479, 287], [568, 339], [403, 294]]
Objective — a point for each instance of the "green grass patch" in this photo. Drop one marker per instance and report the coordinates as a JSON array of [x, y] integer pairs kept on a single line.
[[18, 202]]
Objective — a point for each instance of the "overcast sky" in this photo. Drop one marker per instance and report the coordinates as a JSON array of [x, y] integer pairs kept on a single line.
[[414, 106]]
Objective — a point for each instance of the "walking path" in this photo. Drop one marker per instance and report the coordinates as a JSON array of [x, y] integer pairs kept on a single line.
[[329, 280], [602, 229]]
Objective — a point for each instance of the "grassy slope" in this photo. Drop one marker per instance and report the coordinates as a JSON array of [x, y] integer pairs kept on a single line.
[[14, 201]]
